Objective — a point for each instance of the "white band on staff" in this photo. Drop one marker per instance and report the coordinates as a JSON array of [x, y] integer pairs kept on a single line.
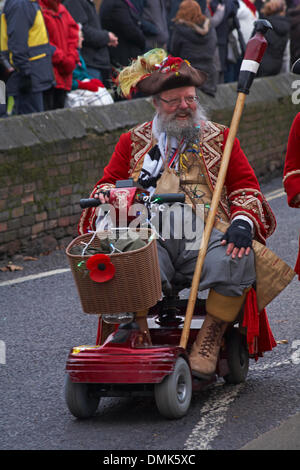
[[249, 66]]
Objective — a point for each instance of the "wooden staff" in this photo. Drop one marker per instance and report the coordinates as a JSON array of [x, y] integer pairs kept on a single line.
[[253, 55]]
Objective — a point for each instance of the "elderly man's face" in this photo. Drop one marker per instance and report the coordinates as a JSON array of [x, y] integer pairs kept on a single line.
[[178, 104], [179, 113]]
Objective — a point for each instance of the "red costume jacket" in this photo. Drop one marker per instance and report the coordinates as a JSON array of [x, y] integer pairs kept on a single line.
[[241, 194], [291, 172]]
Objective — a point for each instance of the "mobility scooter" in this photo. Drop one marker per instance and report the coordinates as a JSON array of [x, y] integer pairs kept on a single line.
[[127, 360]]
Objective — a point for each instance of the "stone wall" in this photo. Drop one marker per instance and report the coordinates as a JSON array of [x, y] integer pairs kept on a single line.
[[49, 161]]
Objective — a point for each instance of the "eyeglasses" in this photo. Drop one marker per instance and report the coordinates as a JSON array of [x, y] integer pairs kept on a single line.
[[177, 101]]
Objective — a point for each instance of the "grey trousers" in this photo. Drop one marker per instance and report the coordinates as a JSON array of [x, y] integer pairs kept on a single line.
[[227, 276]]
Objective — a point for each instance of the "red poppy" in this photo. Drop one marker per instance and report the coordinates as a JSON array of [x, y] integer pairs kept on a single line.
[[100, 267]]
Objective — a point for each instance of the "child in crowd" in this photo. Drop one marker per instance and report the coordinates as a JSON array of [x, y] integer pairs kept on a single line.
[[85, 89]]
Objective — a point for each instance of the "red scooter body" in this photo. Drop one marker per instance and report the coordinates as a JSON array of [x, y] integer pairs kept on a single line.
[[125, 365]]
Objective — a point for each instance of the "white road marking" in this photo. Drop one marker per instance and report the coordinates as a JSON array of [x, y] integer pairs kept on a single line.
[[213, 417], [275, 194], [213, 413], [259, 367], [295, 357], [32, 277], [2, 352]]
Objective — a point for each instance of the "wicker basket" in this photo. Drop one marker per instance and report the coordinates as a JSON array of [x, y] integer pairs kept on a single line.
[[135, 286]]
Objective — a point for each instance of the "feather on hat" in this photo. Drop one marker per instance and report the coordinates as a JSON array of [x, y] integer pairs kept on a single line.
[[155, 72]]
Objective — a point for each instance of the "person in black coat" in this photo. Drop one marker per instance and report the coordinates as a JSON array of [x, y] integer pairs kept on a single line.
[[96, 39], [195, 39], [275, 12], [155, 11], [173, 5], [122, 18], [223, 30], [172, 9], [294, 16], [148, 27]]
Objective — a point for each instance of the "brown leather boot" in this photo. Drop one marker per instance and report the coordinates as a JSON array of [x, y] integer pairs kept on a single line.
[[223, 311], [205, 350]]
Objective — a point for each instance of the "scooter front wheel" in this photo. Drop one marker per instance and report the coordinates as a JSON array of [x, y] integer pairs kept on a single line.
[[173, 395], [80, 400]]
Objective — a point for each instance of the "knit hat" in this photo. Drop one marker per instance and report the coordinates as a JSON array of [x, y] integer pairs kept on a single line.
[[155, 72]]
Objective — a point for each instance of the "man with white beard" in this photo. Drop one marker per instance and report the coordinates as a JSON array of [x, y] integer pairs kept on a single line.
[[180, 151]]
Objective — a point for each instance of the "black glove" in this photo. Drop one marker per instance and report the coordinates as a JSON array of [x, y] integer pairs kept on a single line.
[[25, 84], [239, 233]]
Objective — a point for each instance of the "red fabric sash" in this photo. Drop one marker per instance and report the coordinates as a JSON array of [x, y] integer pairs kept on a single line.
[[297, 267], [259, 334]]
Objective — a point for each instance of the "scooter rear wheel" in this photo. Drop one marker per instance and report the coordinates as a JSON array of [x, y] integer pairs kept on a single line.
[[173, 395], [80, 400], [237, 357]]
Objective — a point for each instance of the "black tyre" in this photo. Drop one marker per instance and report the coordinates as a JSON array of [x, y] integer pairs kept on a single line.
[[80, 400], [237, 357], [173, 395]]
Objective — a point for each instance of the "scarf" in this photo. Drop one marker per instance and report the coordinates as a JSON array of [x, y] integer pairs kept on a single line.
[[165, 152], [251, 6]]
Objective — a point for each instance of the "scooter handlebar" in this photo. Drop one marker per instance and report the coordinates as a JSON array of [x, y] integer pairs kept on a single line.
[[168, 198], [92, 202], [159, 198]]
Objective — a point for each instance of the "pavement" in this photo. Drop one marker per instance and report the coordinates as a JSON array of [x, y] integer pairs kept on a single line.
[[284, 437]]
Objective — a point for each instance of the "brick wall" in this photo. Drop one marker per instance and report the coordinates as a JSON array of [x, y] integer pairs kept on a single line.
[[49, 161]]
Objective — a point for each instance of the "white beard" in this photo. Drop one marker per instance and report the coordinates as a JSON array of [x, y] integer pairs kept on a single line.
[[188, 130], [166, 129]]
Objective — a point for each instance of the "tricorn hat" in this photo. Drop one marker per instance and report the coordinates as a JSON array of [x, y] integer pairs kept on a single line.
[[155, 72]]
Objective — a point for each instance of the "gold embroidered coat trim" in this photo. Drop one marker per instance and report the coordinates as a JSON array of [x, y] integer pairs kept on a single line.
[[291, 173]]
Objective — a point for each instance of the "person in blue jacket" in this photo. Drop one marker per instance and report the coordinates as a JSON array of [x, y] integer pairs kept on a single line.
[[25, 44]]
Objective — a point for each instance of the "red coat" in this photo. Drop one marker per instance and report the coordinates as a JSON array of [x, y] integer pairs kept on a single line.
[[63, 35], [291, 172]]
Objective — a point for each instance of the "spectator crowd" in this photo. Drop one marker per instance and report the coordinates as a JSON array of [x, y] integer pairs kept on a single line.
[[66, 53]]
